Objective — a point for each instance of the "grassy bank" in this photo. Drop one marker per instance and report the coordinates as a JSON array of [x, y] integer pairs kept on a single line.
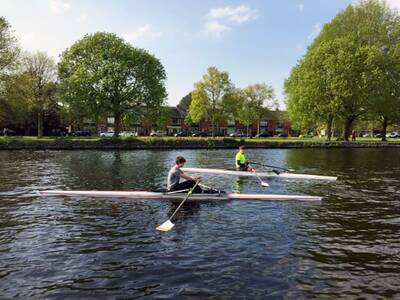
[[66, 143]]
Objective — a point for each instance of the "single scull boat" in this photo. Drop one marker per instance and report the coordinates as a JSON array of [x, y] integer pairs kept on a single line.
[[173, 196], [284, 175]]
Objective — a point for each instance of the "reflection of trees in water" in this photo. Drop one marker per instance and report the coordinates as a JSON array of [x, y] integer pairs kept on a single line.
[[238, 185], [116, 169]]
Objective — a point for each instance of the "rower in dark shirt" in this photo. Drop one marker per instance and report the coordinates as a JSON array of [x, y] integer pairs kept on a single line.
[[174, 175]]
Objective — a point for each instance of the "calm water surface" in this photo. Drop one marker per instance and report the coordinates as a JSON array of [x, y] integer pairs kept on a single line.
[[347, 246]]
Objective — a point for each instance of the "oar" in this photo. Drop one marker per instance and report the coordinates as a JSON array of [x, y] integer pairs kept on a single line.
[[168, 225], [274, 167], [263, 183]]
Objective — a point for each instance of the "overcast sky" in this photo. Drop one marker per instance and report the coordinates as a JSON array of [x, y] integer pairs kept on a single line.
[[255, 41]]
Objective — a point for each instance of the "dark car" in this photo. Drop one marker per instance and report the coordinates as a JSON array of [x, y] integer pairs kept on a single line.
[[263, 134], [182, 133], [283, 134], [9, 132], [82, 133], [199, 133]]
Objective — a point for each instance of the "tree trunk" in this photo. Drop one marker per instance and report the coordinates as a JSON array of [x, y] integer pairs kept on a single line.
[[347, 127], [40, 124], [117, 123], [212, 126], [329, 127], [258, 127], [247, 130], [384, 128]]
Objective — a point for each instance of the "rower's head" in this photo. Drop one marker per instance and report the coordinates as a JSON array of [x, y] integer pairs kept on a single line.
[[241, 149], [180, 161]]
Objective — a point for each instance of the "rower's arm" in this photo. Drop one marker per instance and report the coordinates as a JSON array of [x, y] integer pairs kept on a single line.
[[187, 177]]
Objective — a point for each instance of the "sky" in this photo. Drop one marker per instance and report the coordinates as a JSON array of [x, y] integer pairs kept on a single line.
[[254, 41]]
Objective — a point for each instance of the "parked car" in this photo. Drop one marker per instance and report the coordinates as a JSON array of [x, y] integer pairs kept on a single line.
[[128, 133], [82, 133], [182, 133], [283, 134], [157, 133], [237, 134], [9, 132], [107, 134], [199, 133], [393, 135], [263, 134], [379, 135]]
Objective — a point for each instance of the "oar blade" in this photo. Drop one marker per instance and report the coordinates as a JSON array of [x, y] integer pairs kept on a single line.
[[166, 226], [264, 184]]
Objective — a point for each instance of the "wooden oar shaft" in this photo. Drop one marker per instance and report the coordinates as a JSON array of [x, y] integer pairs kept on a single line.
[[187, 196]]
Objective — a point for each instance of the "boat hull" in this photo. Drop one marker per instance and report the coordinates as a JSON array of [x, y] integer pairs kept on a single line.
[[284, 175], [143, 195]]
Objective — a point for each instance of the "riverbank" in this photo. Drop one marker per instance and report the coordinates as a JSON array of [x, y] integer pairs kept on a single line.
[[131, 143]]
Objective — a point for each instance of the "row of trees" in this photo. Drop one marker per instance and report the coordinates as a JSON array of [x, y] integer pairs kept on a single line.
[[351, 72], [98, 76], [27, 83], [216, 98]]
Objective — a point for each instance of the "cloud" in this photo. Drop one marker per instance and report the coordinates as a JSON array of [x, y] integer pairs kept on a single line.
[[222, 19], [82, 18], [394, 4], [215, 28], [315, 32], [144, 32], [231, 14], [300, 7], [59, 6]]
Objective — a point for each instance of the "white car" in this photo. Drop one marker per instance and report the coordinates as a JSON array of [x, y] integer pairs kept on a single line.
[[107, 134], [393, 135], [157, 133], [128, 133]]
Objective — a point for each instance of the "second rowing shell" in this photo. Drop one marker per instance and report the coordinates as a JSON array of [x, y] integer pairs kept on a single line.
[[285, 175]]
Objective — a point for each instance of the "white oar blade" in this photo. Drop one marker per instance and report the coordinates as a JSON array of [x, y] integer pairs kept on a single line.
[[166, 226], [263, 183]]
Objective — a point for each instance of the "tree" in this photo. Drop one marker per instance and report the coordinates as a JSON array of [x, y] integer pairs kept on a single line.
[[185, 102], [208, 97], [9, 49], [105, 75], [43, 75], [255, 99], [340, 75], [9, 52]]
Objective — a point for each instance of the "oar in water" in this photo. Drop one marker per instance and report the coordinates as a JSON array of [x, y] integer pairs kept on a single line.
[[263, 183], [168, 225], [274, 167]]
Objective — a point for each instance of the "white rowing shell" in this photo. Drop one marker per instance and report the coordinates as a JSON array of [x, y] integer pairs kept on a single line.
[[285, 175], [179, 196]]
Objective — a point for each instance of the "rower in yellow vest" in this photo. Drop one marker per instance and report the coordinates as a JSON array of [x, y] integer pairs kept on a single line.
[[241, 162]]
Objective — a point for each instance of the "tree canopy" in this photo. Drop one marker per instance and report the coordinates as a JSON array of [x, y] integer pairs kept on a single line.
[[103, 74], [349, 70]]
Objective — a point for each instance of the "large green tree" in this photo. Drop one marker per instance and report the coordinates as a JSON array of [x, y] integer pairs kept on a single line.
[[9, 52], [209, 96], [42, 73], [341, 74], [255, 99], [104, 75]]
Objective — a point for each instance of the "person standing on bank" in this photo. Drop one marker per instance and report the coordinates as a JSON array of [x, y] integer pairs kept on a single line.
[[241, 162], [175, 174]]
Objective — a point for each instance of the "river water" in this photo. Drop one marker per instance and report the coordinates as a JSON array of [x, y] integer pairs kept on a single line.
[[346, 246]]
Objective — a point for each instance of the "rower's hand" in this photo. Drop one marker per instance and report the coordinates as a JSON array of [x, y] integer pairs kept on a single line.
[[197, 178]]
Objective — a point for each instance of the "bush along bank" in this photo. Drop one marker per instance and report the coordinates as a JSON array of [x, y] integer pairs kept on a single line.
[[20, 143]]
